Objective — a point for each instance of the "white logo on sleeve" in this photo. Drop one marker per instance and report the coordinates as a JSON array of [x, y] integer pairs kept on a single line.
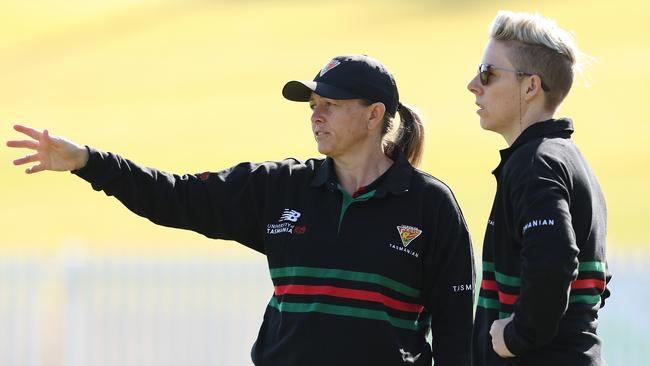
[[290, 215], [408, 357], [538, 222]]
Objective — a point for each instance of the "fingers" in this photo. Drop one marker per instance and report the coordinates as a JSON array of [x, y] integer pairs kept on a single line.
[[28, 144], [26, 159], [495, 329], [31, 132], [35, 169], [39, 137], [498, 342]]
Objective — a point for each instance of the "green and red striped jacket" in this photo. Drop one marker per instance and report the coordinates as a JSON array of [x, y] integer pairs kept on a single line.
[[544, 254], [358, 279]]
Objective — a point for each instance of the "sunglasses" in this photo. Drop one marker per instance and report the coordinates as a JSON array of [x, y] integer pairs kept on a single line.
[[484, 74]]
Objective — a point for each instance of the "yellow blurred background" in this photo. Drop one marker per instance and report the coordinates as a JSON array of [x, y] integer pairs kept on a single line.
[[190, 86]]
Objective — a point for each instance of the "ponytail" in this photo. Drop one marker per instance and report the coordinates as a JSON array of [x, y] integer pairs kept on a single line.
[[409, 137]]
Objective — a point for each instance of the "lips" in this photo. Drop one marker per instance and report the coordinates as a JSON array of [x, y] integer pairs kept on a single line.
[[480, 106]]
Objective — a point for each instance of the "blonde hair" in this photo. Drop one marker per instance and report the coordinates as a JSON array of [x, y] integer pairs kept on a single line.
[[408, 137], [538, 46]]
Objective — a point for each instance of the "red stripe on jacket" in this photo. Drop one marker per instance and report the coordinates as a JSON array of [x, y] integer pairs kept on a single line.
[[348, 294]]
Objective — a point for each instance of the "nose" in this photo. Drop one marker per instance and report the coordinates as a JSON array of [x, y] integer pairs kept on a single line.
[[316, 115], [475, 86]]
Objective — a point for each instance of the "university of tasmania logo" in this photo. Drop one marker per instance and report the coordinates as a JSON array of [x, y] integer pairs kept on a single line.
[[408, 234], [286, 224]]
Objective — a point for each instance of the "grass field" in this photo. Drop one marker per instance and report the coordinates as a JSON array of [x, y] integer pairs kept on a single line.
[[194, 86]]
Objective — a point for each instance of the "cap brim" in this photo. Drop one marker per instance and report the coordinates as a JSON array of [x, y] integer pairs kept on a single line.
[[300, 91]]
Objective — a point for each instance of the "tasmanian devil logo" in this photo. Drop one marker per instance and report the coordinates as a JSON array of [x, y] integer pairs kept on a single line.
[[408, 234], [330, 65]]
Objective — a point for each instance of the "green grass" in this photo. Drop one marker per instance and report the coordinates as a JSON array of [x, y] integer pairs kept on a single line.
[[188, 87]]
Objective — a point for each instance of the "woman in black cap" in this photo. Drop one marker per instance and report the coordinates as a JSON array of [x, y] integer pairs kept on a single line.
[[367, 254]]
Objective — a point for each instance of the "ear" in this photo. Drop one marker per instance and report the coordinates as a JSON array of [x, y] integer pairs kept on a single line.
[[376, 114], [532, 87]]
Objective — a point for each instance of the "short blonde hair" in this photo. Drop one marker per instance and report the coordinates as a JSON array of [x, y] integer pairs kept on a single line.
[[538, 46]]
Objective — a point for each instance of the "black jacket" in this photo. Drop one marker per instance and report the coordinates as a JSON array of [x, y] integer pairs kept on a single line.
[[358, 280], [544, 253]]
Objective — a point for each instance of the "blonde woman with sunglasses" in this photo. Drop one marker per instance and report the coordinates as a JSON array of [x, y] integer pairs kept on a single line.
[[544, 269]]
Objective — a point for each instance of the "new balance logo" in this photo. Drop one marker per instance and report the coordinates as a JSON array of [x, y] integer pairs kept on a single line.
[[408, 357], [290, 215], [286, 224]]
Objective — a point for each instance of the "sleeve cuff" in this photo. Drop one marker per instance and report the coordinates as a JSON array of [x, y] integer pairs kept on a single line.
[[92, 171], [516, 345]]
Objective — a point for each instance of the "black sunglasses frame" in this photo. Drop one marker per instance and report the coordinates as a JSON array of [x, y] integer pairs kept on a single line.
[[484, 74]]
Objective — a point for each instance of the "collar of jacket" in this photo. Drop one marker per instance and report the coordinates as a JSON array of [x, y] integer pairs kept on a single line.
[[562, 127], [396, 181]]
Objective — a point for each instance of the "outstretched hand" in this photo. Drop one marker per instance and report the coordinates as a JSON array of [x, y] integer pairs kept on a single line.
[[51, 152]]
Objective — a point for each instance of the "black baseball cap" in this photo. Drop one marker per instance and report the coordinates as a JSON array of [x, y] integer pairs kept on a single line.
[[349, 77]]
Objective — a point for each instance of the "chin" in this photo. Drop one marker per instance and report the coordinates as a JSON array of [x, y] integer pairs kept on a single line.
[[486, 124], [324, 150], [491, 125]]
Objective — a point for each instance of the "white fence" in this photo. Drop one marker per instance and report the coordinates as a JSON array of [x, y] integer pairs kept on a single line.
[[20, 331], [160, 311], [148, 311]]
